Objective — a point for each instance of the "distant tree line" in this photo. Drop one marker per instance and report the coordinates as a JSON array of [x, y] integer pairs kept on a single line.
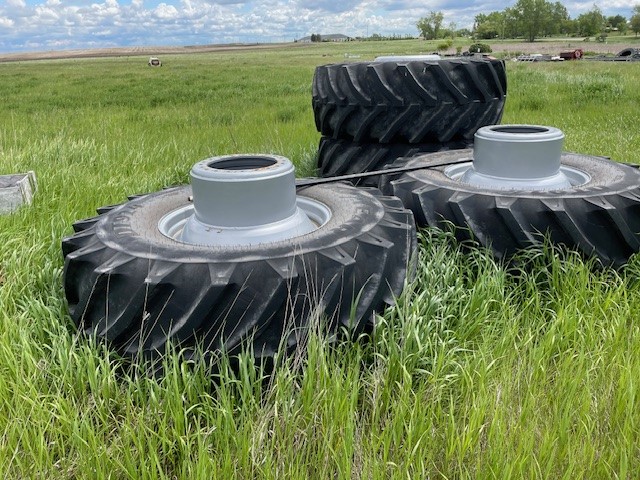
[[531, 19], [375, 37]]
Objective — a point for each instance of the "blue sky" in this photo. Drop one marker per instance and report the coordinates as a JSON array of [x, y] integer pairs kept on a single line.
[[40, 25]]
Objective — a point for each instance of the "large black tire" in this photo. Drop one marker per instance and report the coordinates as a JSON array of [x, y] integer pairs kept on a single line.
[[599, 218], [129, 284], [408, 101], [342, 157]]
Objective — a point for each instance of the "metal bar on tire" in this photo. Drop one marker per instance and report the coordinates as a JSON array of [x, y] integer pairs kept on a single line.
[[310, 182]]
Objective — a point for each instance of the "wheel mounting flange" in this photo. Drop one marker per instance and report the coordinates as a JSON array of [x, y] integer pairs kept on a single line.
[[243, 200]]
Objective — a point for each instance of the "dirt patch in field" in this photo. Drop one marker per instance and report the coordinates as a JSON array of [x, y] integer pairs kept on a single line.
[[137, 51], [554, 48], [513, 49], [510, 49]]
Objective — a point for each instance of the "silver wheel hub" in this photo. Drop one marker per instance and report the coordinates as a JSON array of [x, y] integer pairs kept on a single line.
[[518, 157], [243, 200]]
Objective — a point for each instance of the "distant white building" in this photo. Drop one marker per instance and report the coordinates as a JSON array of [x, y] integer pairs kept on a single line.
[[332, 37]]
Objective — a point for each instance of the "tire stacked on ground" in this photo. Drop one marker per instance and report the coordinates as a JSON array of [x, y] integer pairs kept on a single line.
[[134, 281], [597, 213], [344, 157], [372, 113]]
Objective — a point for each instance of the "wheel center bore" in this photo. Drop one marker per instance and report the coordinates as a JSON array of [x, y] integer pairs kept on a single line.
[[518, 157], [243, 200]]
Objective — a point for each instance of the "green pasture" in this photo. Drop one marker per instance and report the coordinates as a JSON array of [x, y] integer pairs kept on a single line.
[[479, 371]]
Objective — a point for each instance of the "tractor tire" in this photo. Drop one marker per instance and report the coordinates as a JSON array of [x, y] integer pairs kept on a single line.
[[600, 217], [342, 157], [402, 101], [127, 283]]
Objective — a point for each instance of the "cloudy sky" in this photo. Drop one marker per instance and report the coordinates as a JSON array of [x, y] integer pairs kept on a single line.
[[37, 25]]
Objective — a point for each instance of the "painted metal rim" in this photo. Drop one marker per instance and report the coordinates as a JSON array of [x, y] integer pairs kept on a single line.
[[575, 177], [243, 199], [172, 225], [517, 157]]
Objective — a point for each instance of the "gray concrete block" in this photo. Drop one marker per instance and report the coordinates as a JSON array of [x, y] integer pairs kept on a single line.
[[16, 189]]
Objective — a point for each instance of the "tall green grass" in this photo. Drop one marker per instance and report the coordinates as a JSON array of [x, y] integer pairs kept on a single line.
[[479, 371]]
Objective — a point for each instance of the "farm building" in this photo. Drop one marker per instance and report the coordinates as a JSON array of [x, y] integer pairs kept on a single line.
[[332, 37]]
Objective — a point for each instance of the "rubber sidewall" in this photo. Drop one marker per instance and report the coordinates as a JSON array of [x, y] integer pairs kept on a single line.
[[133, 228], [606, 177], [600, 218]]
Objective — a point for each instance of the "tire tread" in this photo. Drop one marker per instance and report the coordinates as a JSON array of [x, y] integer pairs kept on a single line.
[[415, 102], [138, 304]]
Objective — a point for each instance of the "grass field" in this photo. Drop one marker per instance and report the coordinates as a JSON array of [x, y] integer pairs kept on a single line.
[[477, 372]]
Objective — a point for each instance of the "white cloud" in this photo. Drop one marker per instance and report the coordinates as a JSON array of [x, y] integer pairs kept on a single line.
[[620, 5], [106, 9], [48, 24], [16, 4], [328, 5], [165, 11]]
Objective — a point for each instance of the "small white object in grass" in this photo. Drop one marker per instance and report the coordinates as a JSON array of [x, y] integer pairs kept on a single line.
[[16, 189]]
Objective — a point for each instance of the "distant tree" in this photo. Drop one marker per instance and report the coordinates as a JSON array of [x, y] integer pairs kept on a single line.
[[431, 25], [533, 17], [452, 30], [487, 26], [617, 23], [591, 23], [569, 27], [558, 18], [635, 20], [511, 25]]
